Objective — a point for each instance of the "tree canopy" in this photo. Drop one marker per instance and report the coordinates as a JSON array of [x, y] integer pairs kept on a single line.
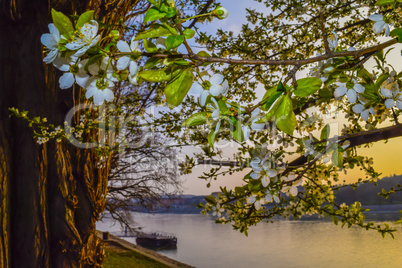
[[292, 154]]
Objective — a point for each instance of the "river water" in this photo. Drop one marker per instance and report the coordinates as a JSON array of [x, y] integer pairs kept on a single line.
[[316, 243]]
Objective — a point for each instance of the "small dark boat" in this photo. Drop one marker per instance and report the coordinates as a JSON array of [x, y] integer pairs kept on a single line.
[[156, 240]]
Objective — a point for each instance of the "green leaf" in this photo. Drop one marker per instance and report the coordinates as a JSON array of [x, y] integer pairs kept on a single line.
[[159, 75], [211, 138], [62, 23], [236, 130], [171, 11], [365, 75], [398, 33], [337, 158], [151, 62], [269, 93], [335, 220], [325, 132], [285, 118], [153, 14], [149, 46], [254, 185], [170, 28], [381, 80], [156, 30], [211, 200], [177, 88], [281, 87], [196, 120], [271, 100], [384, 2], [188, 33], [153, 2], [307, 86], [272, 110], [174, 41], [84, 18]]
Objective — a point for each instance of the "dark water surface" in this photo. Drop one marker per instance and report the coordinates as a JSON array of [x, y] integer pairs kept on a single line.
[[313, 243]]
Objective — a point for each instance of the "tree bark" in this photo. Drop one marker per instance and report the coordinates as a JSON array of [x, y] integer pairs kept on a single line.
[[51, 195]]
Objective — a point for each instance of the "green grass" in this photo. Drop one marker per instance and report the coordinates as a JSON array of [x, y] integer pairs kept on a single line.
[[129, 259]]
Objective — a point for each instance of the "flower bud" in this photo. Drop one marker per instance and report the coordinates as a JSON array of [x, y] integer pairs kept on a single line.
[[221, 13], [114, 34]]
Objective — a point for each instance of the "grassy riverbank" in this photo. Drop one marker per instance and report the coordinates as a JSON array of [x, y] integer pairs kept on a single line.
[[117, 256], [120, 253]]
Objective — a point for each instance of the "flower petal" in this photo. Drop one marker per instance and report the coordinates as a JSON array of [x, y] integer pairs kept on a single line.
[[265, 180], [215, 114], [123, 63], [203, 97], [218, 126], [61, 64], [95, 41], [216, 90], [54, 32], [399, 104], [122, 46], [98, 97], [378, 27], [389, 103], [257, 127], [246, 132], [108, 94], [133, 79], [81, 51], [386, 29], [358, 88], [81, 79], [257, 205], [386, 92], [195, 88], [51, 56], [358, 108], [74, 45], [365, 115], [216, 79], [376, 17], [48, 41], [340, 91], [133, 68], [133, 44], [293, 190], [66, 80], [90, 29], [351, 94]]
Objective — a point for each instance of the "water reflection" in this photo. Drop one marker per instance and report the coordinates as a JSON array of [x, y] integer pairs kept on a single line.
[[314, 243]]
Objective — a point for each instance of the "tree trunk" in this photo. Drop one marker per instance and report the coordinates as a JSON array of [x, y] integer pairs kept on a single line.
[[51, 195]]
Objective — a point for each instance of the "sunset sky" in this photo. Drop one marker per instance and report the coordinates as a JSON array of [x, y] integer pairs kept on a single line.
[[386, 156]]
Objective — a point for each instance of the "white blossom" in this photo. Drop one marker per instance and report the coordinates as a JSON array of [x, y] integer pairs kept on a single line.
[[379, 24], [255, 116], [333, 41], [263, 170], [351, 93], [360, 109], [127, 61], [216, 87], [74, 72], [86, 39], [51, 42], [393, 95]]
